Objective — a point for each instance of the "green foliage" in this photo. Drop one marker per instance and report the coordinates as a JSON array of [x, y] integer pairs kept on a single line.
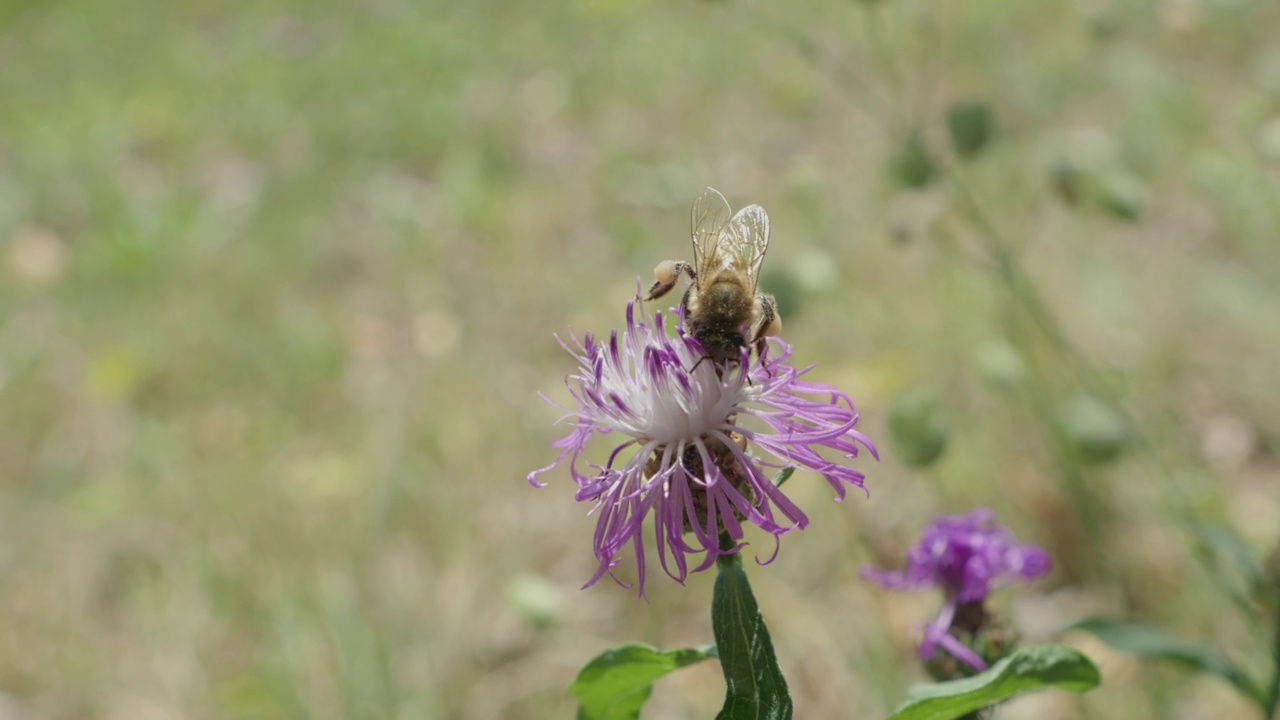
[[783, 475], [970, 125], [918, 426], [755, 687], [1000, 363], [1096, 431], [1224, 544], [912, 165], [1148, 642], [1122, 194], [1102, 185], [538, 600], [1268, 590], [615, 684], [1030, 669]]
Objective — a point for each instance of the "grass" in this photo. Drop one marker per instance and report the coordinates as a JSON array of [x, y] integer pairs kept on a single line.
[[280, 282]]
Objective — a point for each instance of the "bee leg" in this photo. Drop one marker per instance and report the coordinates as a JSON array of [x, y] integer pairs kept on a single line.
[[684, 306], [666, 275], [770, 322], [700, 361]]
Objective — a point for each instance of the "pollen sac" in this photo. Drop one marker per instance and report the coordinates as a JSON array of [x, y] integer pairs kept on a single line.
[[665, 272], [774, 328]]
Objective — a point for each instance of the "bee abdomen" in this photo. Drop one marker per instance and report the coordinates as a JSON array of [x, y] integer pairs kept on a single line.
[[725, 302]]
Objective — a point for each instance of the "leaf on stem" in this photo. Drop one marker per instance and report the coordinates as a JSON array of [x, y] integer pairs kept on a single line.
[[615, 684], [1035, 668], [1096, 430], [1225, 543], [912, 165], [969, 124], [755, 686], [1148, 642]]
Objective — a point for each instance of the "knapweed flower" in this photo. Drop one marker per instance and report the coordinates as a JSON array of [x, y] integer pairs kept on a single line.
[[686, 425], [966, 556]]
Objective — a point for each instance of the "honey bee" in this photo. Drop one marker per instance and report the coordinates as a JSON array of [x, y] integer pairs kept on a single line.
[[722, 305]]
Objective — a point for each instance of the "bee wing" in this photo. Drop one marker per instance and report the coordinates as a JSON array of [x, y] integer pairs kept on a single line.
[[708, 217], [744, 241]]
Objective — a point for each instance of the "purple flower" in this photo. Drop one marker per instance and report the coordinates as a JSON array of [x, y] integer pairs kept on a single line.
[[686, 425], [966, 556]]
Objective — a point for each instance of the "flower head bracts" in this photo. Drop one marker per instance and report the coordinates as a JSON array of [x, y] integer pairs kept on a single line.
[[688, 424], [966, 556]]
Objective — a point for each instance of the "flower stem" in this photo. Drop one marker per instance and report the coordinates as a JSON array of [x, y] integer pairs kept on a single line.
[[728, 559], [1273, 694]]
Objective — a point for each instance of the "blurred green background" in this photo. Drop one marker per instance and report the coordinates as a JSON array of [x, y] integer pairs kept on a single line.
[[279, 280]]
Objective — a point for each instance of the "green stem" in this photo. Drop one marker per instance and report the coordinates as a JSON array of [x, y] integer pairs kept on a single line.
[[726, 544], [1273, 699], [1008, 268]]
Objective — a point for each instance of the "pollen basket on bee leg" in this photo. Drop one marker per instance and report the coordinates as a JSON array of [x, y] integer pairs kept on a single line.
[[666, 272]]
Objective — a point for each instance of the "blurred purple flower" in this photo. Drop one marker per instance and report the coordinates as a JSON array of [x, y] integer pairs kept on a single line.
[[966, 556], [687, 425]]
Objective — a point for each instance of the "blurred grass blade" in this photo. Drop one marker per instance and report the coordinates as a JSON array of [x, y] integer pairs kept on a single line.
[[1148, 642], [1223, 542], [1035, 668], [617, 682], [755, 686]]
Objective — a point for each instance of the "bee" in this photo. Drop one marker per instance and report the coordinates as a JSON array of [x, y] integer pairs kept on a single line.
[[723, 307]]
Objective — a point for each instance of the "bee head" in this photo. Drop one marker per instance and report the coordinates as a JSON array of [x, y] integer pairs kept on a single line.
[[711, 337]]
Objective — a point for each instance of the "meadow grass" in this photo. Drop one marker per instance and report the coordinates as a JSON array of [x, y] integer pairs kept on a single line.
[[280, 281]]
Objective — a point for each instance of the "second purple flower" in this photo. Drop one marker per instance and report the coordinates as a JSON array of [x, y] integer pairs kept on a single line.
[[965, 556]]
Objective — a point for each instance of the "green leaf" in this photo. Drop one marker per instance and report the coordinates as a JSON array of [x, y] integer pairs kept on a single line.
[[1148, 642], [1095, 429], [912, 166], [755, 686], [1028, 670], [1000, 363], [536, 599], [969, 124], [1224, 543], [783, 475], [918, 427], [1122, 194], [617, 682]]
